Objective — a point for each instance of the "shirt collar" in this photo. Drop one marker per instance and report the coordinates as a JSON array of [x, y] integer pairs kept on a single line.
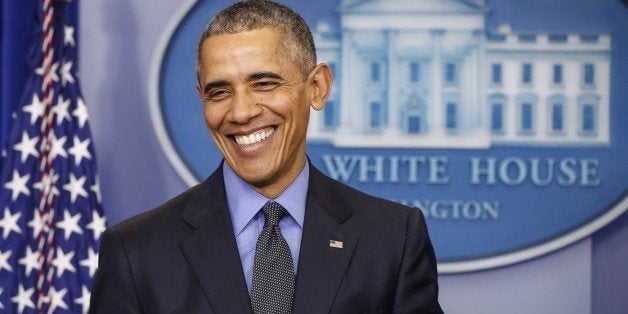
[[244, 202]]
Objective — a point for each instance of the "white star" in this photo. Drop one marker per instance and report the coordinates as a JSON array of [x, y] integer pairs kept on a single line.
[[52, 75], [27, 146], [63, 262], [79, 150], [23, 298], [30, 261], [46, 183], [38, 224], [70, 224], [36, 108], [91, 262], [96, 189], [4, 261], [84, 299], [55, 298], [66, 73], [57, 147], [68, 35], [8, 223], [98, 224], [17, 185], [80, 112], [61, 109], [75, 187]]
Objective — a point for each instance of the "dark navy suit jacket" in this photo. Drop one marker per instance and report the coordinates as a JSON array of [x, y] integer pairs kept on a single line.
[[182, 257]]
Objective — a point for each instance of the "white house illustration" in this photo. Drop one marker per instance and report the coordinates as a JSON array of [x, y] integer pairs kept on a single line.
[[427, 73]]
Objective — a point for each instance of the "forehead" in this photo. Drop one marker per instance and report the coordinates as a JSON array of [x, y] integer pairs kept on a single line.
[[249, 48], [262, 37]]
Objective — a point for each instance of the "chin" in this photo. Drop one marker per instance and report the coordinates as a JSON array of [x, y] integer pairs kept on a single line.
[[255, 177]]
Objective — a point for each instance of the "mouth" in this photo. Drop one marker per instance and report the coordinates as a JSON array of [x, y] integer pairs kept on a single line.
[[255, 137]]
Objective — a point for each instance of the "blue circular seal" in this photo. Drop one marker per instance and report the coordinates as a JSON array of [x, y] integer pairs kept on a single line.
[[501, 121]]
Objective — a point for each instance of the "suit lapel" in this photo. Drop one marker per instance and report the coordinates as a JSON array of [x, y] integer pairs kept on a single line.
[[211, 250], [321, 266]]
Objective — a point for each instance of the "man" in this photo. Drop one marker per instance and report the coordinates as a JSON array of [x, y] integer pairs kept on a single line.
[[266, 232]]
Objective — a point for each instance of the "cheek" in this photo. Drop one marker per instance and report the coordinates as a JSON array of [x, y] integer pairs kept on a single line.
[[292, 107], [213, 117]]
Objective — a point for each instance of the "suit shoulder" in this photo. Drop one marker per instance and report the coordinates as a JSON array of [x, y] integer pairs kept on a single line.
[[157, 218]]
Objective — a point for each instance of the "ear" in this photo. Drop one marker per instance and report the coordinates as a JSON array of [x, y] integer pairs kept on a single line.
[[319, 83]]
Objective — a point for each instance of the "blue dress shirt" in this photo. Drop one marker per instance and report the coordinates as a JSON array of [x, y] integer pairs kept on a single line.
[[245, 206]]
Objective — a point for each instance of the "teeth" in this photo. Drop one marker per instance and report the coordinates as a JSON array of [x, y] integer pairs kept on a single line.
[[244, 140]]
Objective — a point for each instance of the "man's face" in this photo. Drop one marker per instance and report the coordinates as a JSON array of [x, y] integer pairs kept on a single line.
[[256, 104]]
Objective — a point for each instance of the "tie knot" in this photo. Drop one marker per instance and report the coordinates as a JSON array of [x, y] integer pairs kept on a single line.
[[273, 212]]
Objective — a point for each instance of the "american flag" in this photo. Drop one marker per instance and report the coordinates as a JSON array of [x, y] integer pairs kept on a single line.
[[51, 217]]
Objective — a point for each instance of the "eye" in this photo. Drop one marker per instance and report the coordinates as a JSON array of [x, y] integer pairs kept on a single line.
[[217, 95], [265, 85]]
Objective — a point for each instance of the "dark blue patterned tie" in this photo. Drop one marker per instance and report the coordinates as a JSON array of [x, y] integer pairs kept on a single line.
[[273, 270]]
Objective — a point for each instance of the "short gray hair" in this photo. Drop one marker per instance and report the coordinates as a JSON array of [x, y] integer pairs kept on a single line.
[[255, 14]]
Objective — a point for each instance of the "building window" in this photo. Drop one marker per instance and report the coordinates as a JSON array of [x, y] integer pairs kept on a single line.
[[452, 116], [376, 115], [375, 72], [588, 118], [413, 115], [496, 38], [414, 72], [526, 113], [330, 114], [557, 107], [557, 38], [588, 114], [557, 74], [497, 117], [526, 73], [589, 74], [527, 38], [450, 73], [414, 124], [527, 118], [497, 107], [557, 116], [589, 38], [496, 73]]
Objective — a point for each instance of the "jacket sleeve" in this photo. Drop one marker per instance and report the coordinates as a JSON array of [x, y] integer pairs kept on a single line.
[[417, 285], [114, 286]]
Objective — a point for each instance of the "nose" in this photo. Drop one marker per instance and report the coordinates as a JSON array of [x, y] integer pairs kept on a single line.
[[244, 108]]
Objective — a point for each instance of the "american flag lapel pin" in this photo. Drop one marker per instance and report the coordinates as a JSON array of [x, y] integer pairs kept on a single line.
[[336, 244]]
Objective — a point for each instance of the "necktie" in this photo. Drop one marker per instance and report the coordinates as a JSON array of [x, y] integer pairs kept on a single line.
[[273, 271]]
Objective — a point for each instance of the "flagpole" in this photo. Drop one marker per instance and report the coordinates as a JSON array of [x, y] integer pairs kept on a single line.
[[46, 236]]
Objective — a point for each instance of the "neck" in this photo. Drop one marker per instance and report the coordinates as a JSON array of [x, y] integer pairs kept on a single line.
[[272, 191]]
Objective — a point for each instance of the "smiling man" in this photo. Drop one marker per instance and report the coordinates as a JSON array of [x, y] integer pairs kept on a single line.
[[257, 99], [266, 232]]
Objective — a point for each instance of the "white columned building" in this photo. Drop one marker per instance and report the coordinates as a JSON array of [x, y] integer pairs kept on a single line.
[[427, 73]]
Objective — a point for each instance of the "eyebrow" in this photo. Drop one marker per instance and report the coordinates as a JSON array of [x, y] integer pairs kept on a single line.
[[263, 75]]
